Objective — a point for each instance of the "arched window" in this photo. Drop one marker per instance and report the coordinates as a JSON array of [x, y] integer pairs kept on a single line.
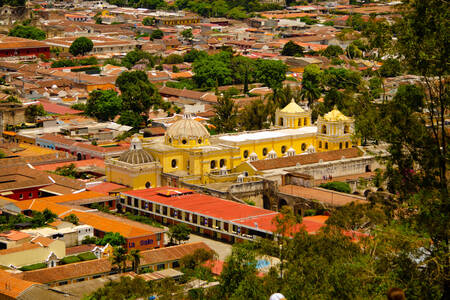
[[174, 163], [324, 129], [184, 141], [212, 164], [281, 122], [283, 149], [326, 145], [320, 144], [346, 144], [340, 145], [148, 185], [304, 146], [199, 141], [264, 152], [245, 153], [222, 163], [299, 122], [305, 121], [346, 129]]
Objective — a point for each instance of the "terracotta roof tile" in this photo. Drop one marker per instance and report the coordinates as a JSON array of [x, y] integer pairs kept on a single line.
[[103, 265], [304, 159], [12, 286]]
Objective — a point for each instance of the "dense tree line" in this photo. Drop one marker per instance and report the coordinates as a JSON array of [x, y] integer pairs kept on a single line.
[[234, 9]]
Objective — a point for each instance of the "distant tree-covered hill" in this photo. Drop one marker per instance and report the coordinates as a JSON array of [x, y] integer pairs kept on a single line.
[[12, 2]]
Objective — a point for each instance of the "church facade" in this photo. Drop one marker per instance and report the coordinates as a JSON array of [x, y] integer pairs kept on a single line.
[[188, 153]]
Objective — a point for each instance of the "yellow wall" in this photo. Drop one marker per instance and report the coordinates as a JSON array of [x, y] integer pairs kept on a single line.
[[289, 142], [136, 182], [33, 256]]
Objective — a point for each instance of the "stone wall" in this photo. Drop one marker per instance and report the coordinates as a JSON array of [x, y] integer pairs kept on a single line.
[[11, 114]]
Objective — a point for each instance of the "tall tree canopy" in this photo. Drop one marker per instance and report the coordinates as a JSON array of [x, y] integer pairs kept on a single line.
[[137, 92], [81, 46]]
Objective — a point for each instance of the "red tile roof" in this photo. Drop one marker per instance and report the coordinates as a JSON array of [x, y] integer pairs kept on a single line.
[[95, 162], [103, 265], [107, 187], [304, 159], [11, 286], [202, 204], [59, 109]]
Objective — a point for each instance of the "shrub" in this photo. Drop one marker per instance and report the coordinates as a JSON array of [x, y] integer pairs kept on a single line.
[[70, 260], [338, 186], [33, 267], [86, 256]]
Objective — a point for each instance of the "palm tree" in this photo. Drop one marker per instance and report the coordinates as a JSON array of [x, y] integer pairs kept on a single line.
[[309, 92], [119, 258], [135, 257]]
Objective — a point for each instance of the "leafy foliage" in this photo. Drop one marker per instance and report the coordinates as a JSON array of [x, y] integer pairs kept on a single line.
[[226, 114], [179, 232], [292, 49], [72, 218], [342, 187], [81, 46], [28, 32], [33, 111], [157, 34], [104, 105], [332, 51], [33, 267], [69, 260]]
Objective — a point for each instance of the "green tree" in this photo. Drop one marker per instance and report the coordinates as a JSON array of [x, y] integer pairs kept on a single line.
[[239, 269], [254, 116], [137, 93], [173, 59], [135, 257], [103, 105], [226, 114], [391, 67], [33, 111], [211, 71], [379, 35], [187, 34], [81, 46], [309, 92], [271, 73], [353, 51], [125, 288], [28, 32], [147, 21], [157, 34], [194, 54], [113, 238], [236, 13], [135, 56], [68, 171], [292, 49], [332, 51], [119, 258], [72, 218], [312, 74], [243, 70], [131, 118], [179, 232]]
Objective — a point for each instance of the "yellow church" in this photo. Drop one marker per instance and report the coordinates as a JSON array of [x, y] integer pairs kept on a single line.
[[188, 153]]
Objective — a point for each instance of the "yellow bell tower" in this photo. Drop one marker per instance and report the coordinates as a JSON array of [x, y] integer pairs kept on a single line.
[[292, 116], [334, 131]]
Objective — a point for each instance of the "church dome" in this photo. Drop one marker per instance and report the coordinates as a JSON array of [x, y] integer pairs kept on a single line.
[[335, 115], [136, 154], [292, 108], [187, 129]]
